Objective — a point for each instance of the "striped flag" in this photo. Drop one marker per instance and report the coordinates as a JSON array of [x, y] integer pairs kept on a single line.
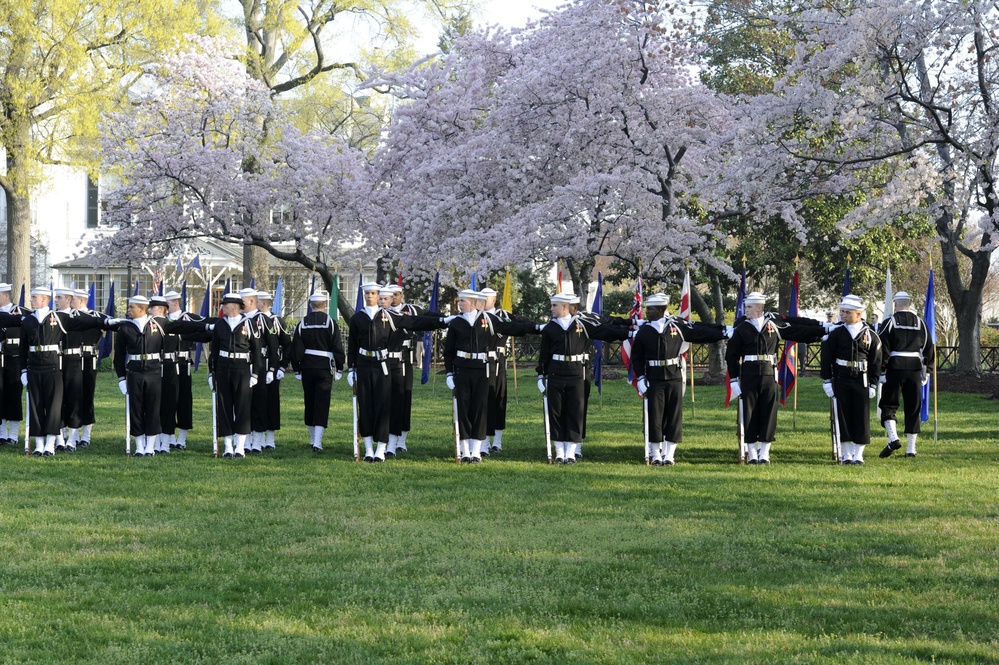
[[635, 313], [685, 297], [930, 317], [740, 311], [598, 346], [428, 336], [788, 372]]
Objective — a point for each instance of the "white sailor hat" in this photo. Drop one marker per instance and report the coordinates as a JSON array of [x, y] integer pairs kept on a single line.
[[64, 292], [319, 296], [139, 300], [385, 291], [41, 291], [157, 301], [566, 298], [247, 293], [902, 295], [371, 286], [171, 295], [657, 300], [232, 299], [4, 287], [852, 302], [81, 293], [756, 298], [471, 294], [264, 295], [394, 288], [488, 292]]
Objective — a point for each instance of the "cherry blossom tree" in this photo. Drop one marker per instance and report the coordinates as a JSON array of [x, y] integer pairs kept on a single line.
[[893, 104], [194, 160], [584, 135]]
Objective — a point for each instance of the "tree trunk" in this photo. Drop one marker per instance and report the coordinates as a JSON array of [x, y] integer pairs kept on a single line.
[[716, 368], [967, 300], [256, 266]]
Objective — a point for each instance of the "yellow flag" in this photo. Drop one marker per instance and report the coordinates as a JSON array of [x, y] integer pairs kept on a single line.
[[507, 303]]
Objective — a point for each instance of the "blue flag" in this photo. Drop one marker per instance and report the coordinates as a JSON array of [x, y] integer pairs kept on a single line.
[[846, 283], [360, 294], [136, 292], [930, 317], [206, 304], [253, 281], [104, 350], [598, 346], [428, 336], [160, 292], [475, 282], [740, 311], [180, 266], [278, 306], [195, 262], [92, 297]]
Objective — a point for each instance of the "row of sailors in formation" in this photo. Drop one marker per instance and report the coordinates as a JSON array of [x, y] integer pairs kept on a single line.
[[251, 349]]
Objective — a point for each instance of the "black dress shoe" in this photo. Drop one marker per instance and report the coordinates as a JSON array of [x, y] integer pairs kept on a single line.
[[910, 454], [668, 462], [238, 455], [570, 460], [226, 455], [858, 462], [47, 454], [466, 460], [485, 453], [763, 461], [495, 449], [36, 453], [476, 460], [369, 458], [60, 448], [379, 460], [83, 444], [579, 455], [389, 453], [890, 448], [560, 460], [657, 462], [752, 461], [317, 449]]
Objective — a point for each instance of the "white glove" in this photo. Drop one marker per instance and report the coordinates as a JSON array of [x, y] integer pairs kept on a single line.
[[450, 382], [298, 375], [123, 386], [542, 387], [449, 319], [827, 388], [336, 376], [736, 389], [269, 377], [829, 325], [540, 326], [278, 375], [24, 378], [924, 379], [253, 380], [113, 322], [643, 386], [211, 383], [871, 392], [729, 331], [209, 327], [883, 379], [638, 323], [351, 377]]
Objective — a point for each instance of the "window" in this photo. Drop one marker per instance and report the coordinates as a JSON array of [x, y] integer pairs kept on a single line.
[[93, 203]]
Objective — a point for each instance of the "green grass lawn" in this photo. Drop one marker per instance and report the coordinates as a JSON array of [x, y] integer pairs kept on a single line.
[[297, 558]]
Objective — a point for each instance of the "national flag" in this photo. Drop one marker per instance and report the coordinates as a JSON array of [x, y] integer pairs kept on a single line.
[[195, 262], [428, 336], [227, 289], [507, 302], [475, 282], [180, 266], [206, 304], [105, 348], [889, 307], [846, 283], [278, 307], [598, 346], [92, 297], [788, 372], [136, 292], [160, 290], [334, 310], [930, 318], [635, 313], [560, 282], [253, 282], [685, 297], [740, 311], [399, 278]]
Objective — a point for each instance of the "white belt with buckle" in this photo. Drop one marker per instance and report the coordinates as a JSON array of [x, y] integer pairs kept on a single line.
[[236, 356], [142, 357], [472, 356], [670, 362], [45, 348], [905, 354], [317, 352], [761, 359], [852, 364], [578, 358], [72, 352]]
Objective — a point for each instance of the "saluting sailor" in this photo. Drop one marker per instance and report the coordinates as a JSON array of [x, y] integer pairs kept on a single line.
[[318, 359], [752, 364], [278, 347], [565, 347], [657, 357], [907, 352], [851, 364]]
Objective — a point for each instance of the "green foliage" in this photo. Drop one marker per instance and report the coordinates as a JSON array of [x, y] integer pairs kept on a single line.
[[291, 557]]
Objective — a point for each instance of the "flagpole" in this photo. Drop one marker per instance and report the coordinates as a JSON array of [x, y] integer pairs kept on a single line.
[[935, 363], [794, 410], [690, 305]]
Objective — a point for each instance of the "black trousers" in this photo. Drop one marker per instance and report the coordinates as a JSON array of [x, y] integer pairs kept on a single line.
[[232, 395], [169, 398], [258, 405], [907, 385], [665, 410], [45, 393], [87, 415], [72, 391], [566, 407], [759, 406], [185, 396], [854, 406], [497, 398], [145, 390], [11, 404], [374, 402], [398, 414], [317, 384], [471, 388], [406, 410], [274, 405]]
